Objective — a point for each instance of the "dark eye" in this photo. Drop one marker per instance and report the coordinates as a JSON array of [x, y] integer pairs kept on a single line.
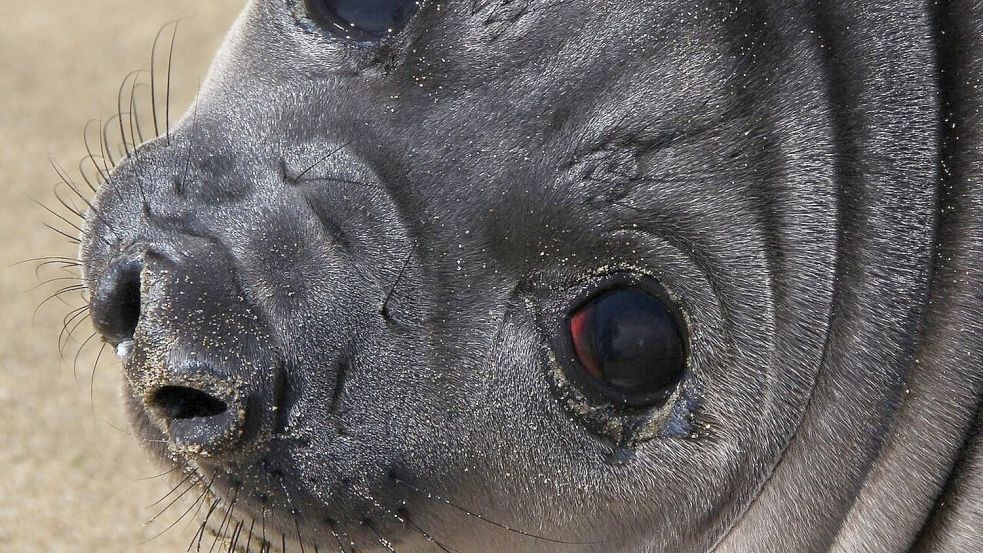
[[627, 343], [363, 20]]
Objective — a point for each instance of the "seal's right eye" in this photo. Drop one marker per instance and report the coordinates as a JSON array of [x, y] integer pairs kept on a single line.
[[628, 344], [363, 20]]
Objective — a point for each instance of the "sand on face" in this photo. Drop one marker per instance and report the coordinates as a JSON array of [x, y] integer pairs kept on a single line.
[[69, 480]]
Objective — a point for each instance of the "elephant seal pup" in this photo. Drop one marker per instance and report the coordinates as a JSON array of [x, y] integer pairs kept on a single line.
[[564, 276]]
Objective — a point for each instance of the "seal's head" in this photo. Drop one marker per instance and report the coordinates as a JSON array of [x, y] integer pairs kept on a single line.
[[526, 275]]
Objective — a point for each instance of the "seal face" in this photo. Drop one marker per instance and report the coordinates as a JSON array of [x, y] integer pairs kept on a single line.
[[571, 276]]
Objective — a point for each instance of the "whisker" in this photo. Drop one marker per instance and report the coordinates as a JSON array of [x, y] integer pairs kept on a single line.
[[119, 108], [104, 176], [128, 142], [71, 314], [264, 541], [135, 112], [334, 534], [173, 501], [341, 181], [92, 380], [75, 361], [68, 203], [65, 266], [79, 318], [382, 541], [80, 167], [174, 489], [318, 162], [60, 217], [107, 145], [249, 537], [156, 476], [73, 278], [467, 512], [333, 525], [69, 237], [199, 502], [140, 439], [406, 517], [132, 117], [293, 511], [153, 77], [71, 185], [71, 207], [65, 290], [167, 97], [80, 315], [201, 528], [191, 143], [106, 154], [220, 534], [84, 316], [46, 258], [300, 539], [384, 309], [368, 497], [235, 536]]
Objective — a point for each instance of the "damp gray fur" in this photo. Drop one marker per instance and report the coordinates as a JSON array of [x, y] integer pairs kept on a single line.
[[357, 251]]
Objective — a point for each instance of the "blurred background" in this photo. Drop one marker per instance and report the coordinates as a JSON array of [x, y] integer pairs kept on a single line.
[[71, 477]]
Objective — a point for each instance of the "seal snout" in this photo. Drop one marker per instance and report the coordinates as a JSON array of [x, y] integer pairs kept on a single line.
[[192, 349]]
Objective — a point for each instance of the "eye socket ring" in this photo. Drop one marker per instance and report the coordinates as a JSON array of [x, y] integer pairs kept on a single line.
[[363, 20], [624, 341]]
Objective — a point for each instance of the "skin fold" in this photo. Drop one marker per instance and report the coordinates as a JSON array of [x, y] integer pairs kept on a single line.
[[364, 251]]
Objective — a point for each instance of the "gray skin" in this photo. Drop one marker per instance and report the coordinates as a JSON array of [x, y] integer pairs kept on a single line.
[[362, 252]]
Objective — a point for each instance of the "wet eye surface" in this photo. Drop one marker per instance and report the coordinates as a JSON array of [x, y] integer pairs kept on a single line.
[[626, 343], [363, 20]]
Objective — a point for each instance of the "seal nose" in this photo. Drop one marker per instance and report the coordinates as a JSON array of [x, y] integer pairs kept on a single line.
[[201, 418], [192, 348], [116, 301]]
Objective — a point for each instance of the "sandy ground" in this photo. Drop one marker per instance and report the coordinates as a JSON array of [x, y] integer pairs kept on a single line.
[[70, 475]]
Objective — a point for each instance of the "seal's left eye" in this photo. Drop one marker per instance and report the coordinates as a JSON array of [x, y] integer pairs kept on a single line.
[[363, 20]]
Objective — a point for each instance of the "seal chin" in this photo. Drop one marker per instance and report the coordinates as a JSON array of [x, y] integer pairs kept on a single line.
[[260, 504], [232, 454]]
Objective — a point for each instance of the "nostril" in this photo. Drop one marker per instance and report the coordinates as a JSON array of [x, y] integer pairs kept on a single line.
[[181, 402], [116, 302], [199, 423]]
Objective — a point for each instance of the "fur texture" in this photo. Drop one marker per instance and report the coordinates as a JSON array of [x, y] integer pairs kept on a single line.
[[364, 246]]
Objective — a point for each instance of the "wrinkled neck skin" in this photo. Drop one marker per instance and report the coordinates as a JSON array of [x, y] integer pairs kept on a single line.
[[365, 248]]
